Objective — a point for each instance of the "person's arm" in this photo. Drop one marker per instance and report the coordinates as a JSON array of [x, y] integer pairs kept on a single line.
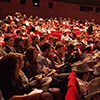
[[34, 96]]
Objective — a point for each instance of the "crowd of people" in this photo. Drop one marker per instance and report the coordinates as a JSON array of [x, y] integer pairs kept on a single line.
[[49, 58]]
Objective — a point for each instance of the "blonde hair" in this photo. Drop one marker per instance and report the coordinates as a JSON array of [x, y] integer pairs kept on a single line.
[[18, 56]]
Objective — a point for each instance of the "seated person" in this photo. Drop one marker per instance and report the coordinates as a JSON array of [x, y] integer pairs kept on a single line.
[[9, 42], [94, 89], [9, 73], [2, 51], [82, 73]]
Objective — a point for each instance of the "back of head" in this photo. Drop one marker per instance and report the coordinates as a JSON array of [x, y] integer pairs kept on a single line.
[[29, 54], [8, 66], [59, 45], [70, 46], [34, 37]]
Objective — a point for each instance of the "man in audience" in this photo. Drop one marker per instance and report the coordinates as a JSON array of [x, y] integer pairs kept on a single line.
[[82, 73], [94, 89], [35, 42], [60, 53], [9, 41]]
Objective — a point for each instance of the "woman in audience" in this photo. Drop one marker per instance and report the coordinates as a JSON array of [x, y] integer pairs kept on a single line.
[[19, 45], [34, 82], [27, 43], [31, 70], [9, 73], [30, 67]]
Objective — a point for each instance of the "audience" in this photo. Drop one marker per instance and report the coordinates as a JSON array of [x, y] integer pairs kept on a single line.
[[50, 46]]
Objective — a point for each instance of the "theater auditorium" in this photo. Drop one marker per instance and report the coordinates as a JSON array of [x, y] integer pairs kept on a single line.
[[49, 49]]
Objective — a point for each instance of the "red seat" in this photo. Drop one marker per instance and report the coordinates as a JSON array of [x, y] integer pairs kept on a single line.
[[2, 43]]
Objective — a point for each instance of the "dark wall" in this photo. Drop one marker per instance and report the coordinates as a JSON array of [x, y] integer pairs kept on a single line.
[[59, 9], [86, 2]]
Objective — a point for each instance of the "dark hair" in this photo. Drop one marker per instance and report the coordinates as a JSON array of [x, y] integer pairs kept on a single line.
[[45, 46], [50, 37], [8, 66], [59, 45], [34, 37], [70, 46], [96, 42], [79, 75], [18, 31], [26, 42], [29, 54], [17, 40], [7, 37], [42, 38]]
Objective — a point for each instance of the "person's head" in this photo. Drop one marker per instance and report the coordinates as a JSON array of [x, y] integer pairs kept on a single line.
[[89, 60], [59, 47], [70, 48], [9, 28], [31, 54], [27, 43], [9, 40], [42, 39], [18, 41], [82, 70], [35, 39], [94, 89], [20, 59], [46, 48], [50, 38], [55, 40], [9, 67], [19, 33]]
